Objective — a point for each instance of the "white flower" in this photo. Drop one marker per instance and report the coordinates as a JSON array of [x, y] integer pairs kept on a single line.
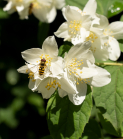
[[98, 40], [76, 27], [21, 6], [44, 10], [45, 69], [89, 9], [113, 31], [80, 70], [44, 62]]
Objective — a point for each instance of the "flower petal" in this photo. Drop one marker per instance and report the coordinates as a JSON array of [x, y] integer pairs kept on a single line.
[[88, 56], [24, 14], [70, 14], [62, 93], [82, 38], [114, 49], [117, 29], [62, 31], [101, 79], [98, 52], [20, 8], [90, 7], [32, 55], [77, 99], [87, 72], [8, 6], [57, 66], [67, 85], [35, 86], [31, 84], [86, 22], [23, 69], [50, 46], [59, 3], [103, 21], [43, 90], [45, 14], [78, 50]]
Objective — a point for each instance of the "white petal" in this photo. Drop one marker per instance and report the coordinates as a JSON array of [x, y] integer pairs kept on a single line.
[[59, 3], [36, 84], [8, 6], [57, 66], [62, 93], [67, 85], [51, 15], [24, 14], [23, 69], [31, 84], [20, 8], [71, 14], [82, 38], [98, 52], [43, 90], [103, 21], [77, 99], [117, 29], [78, 50], [50, 46], [87, 72], [101, 54], [62, 31], [32, 55], [86, 22], [101, 79], [88, 56], [90, 7], [114, 49], [45, 14], [96, 20]]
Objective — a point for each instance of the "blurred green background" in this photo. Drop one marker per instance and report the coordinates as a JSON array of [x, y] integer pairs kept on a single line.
[[22, 112]]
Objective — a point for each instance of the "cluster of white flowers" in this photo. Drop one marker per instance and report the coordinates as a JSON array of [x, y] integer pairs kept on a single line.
[[44, 10], [92, 37], [47, 71], [87, 25]]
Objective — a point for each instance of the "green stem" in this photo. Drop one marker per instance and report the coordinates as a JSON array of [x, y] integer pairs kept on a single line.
[[114, 64]]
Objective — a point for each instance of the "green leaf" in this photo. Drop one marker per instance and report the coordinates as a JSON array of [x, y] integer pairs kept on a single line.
[[121, 41], [47, 137], [3, 15], [92, 130], [121, 47], [77, 3], [107, 125], [66, 120], [43, 29], [121, 19], [115, 9], [36, 100], [64, 48], [110, 97]]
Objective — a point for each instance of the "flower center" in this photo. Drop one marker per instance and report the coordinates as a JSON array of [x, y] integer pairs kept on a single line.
[[82, 13], [36, 5], [31, 75], [107, 32], [53, 84], [74, 27], [18, 1], [47, 58], [92, 37], [74, 65]]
